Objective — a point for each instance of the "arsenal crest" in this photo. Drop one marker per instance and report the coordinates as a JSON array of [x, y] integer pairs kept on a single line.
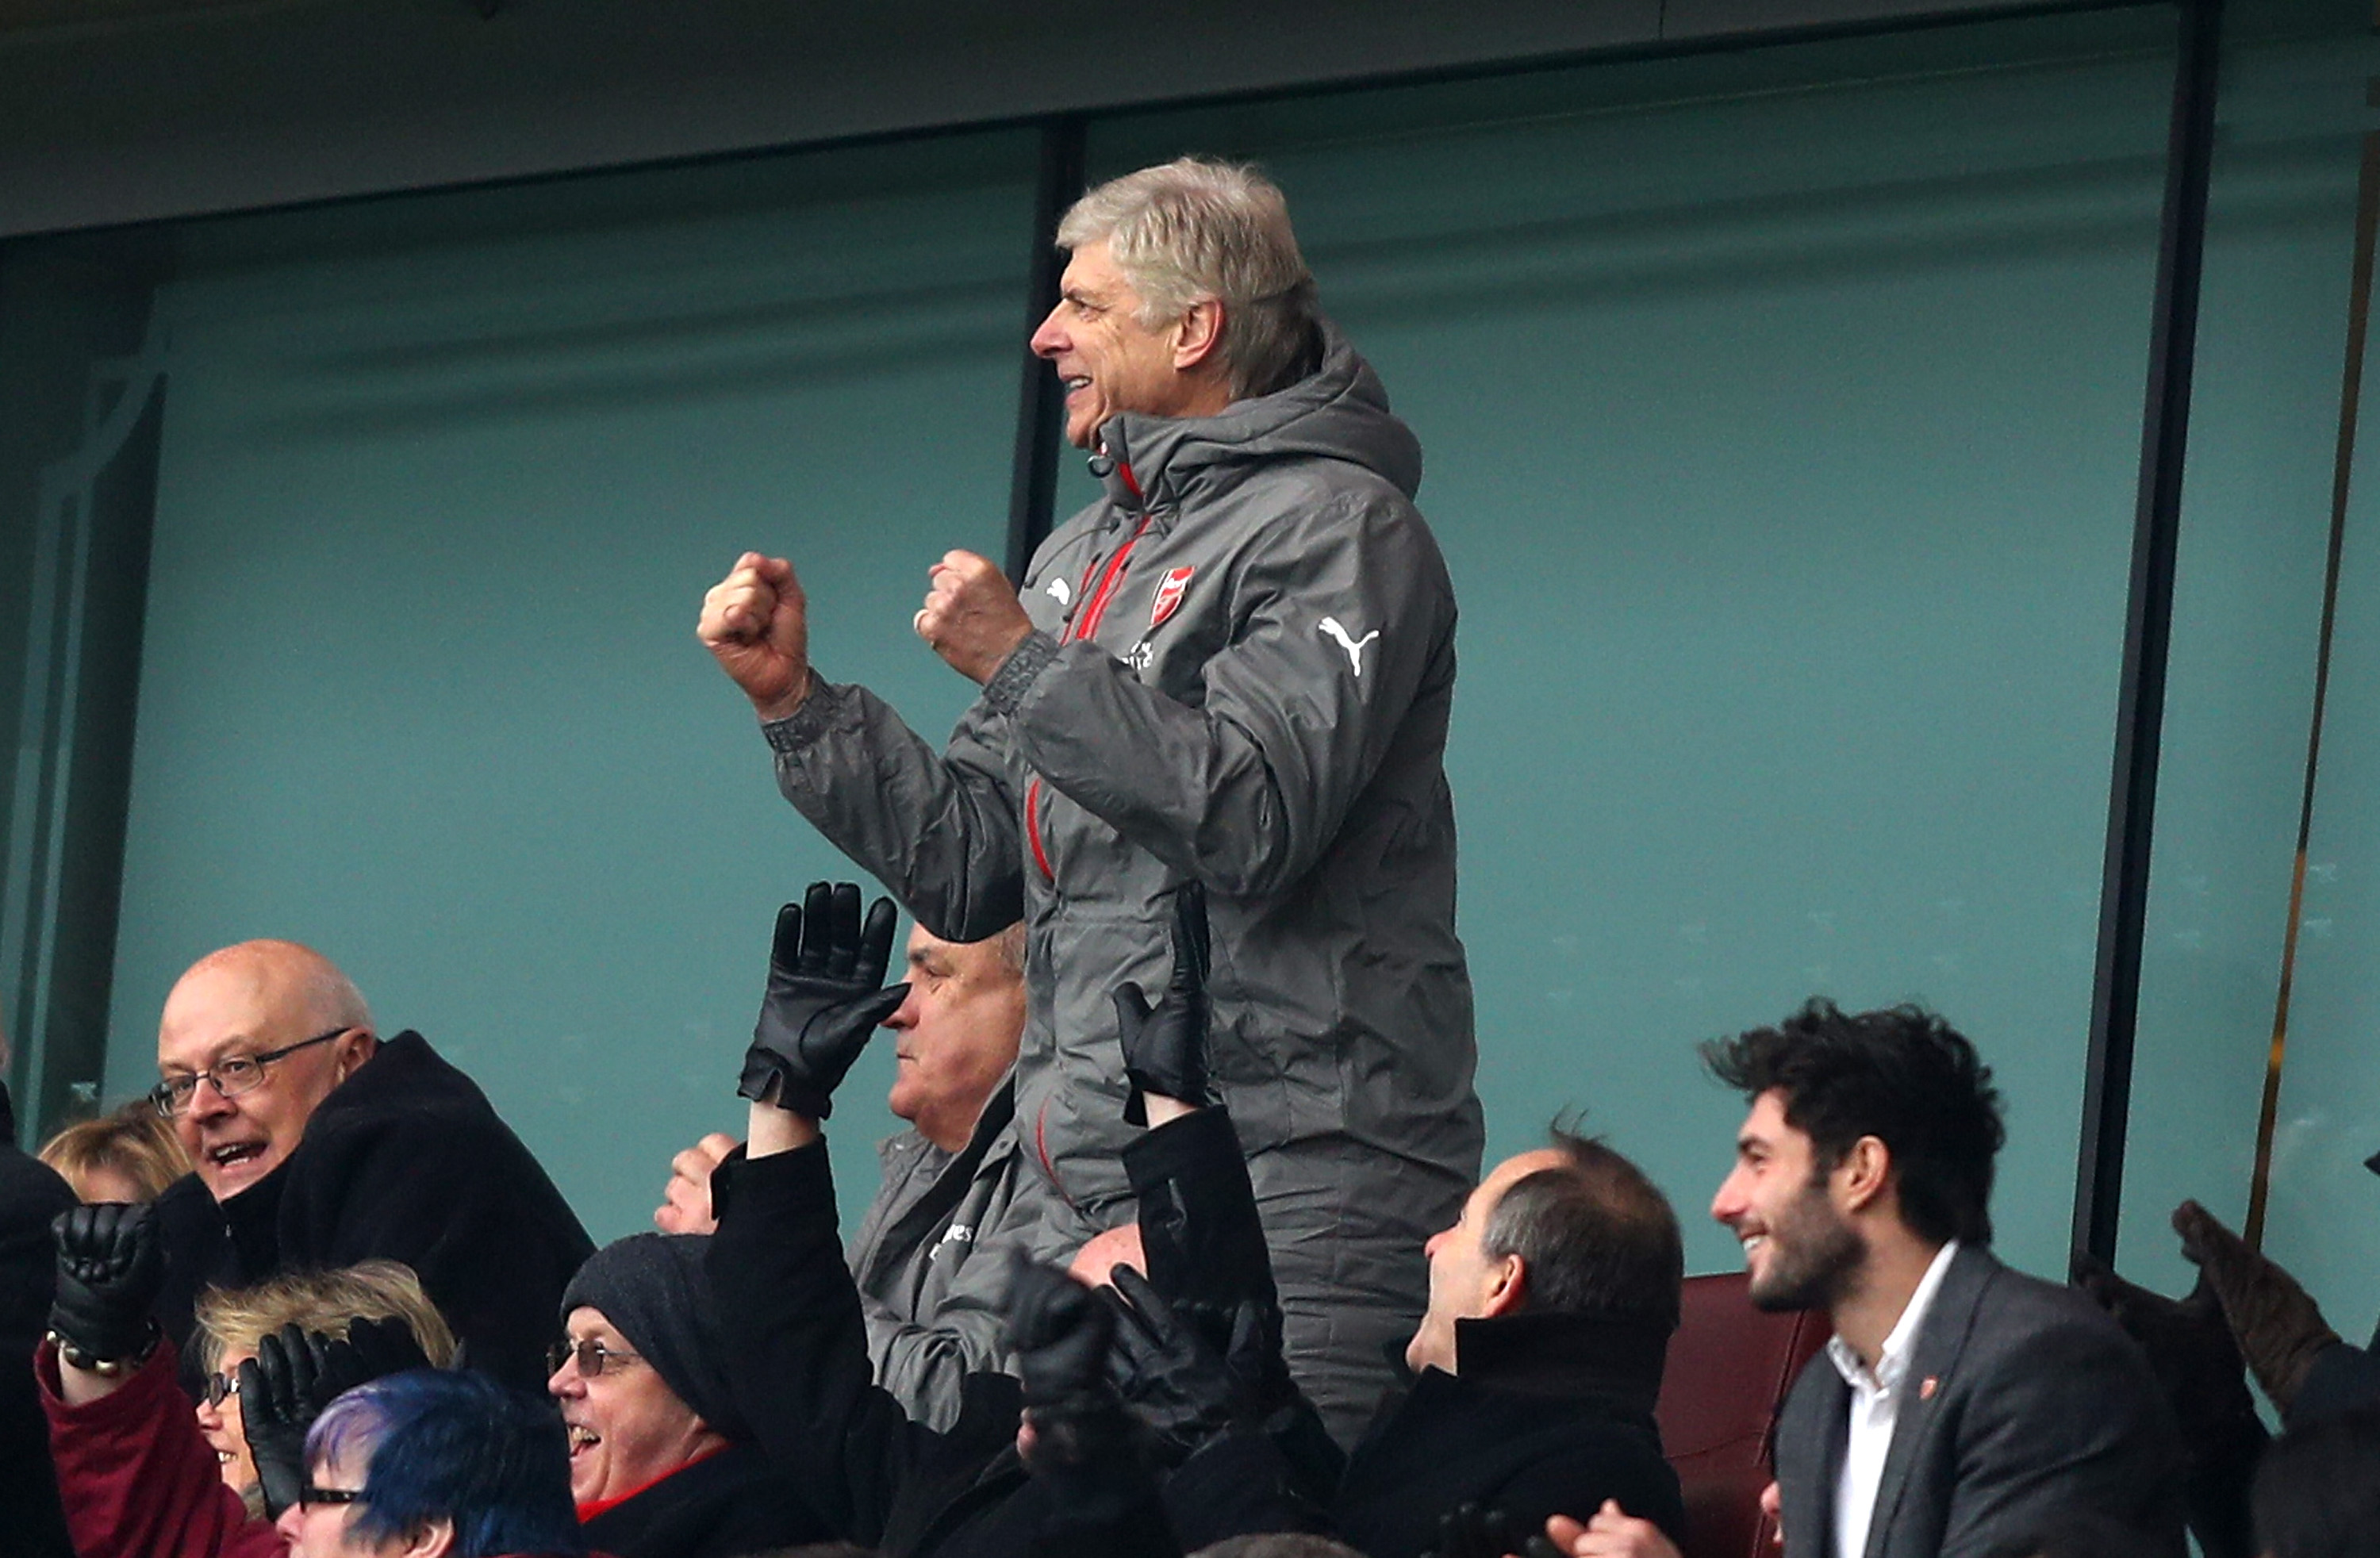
[[1170, 590]]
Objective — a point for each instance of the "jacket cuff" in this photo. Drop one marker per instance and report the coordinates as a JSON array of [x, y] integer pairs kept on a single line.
[[806, 724], [1017, 673], [132, 1403], [1201, 1142], [791, 1193]]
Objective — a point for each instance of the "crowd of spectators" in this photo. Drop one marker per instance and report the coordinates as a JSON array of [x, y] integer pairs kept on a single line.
[[1185, 1245]]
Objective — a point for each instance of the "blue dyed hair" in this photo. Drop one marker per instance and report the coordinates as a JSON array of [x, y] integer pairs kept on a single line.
[[454, 1445]]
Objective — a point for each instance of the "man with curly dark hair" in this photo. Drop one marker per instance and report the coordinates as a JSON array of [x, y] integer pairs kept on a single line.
[[1962, 1406]]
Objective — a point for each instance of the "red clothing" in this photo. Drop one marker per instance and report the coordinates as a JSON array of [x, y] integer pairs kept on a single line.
[[136, 1477]]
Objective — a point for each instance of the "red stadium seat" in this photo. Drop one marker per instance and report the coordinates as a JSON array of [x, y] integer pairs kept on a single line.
[[1730, 1368]]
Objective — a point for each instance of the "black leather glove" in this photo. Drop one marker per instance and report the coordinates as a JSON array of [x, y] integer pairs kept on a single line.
[[1165, 1045], [110, 1268], [1469, 1531], [296, 1373], [2278, 1326], [1170, 1365], [1060, 1331], [826, 998]]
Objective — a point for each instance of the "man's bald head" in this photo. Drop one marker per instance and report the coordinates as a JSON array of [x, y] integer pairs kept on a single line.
[[246, 1003]]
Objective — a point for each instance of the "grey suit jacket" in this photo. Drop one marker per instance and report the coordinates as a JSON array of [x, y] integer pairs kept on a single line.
[[2039, 1407]]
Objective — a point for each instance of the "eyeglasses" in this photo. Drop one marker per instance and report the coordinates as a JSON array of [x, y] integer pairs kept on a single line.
[[232, 1076], [591, 1355], [309, 1495], [220, 1387]]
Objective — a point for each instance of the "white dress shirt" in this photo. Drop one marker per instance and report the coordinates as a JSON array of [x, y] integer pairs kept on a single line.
[[1875, 1407]]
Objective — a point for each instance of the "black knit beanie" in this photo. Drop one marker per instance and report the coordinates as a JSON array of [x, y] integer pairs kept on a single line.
[[652, 1288]]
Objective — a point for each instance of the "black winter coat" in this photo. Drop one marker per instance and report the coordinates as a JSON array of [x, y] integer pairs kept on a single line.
[[405, 1160], [30, 1195], [792, 1316], [1548, 1413], [722, 1506]]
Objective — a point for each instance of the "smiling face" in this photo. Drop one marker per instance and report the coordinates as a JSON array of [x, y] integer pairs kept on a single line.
[[627, 1427], [225, 1431], [955, 1035], [1108, 360], [248, 1000], [1465, 1282], [1800, 1249]]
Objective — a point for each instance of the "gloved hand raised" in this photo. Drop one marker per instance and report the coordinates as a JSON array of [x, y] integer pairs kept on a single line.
[[826, 997], [1165, 1045], [110, 1268], [296, 1373], [2278, 1326]]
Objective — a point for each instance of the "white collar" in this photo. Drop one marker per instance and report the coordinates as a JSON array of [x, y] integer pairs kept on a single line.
[[1892, 1358]]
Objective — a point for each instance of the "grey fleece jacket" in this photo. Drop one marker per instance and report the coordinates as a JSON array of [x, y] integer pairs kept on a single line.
[[1241, 672], [929, 1258]]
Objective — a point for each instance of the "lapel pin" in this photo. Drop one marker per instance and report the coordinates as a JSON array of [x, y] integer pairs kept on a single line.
[[1927, 1386]]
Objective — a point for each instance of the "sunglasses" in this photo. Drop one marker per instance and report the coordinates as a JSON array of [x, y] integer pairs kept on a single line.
[[220, 1387], [309, 1496], [591, 1355]]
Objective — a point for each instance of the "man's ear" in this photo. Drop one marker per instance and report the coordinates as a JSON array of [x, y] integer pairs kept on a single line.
[[1865, 1175], [1508, 1286], [431, 1538], [354, 1049], [1198, 334]]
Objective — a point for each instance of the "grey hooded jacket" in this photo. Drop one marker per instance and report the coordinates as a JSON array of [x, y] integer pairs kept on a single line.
[[1241, 672]]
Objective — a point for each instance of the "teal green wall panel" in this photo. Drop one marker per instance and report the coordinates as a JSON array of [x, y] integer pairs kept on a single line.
[[2246, 610], [444, 483], [1781, 418], [2323, 1219]]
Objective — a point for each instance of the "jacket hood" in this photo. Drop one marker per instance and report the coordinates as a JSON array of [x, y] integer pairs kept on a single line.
[[1338, 412]]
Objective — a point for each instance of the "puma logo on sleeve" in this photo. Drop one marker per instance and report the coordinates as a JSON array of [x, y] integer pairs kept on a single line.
[[1354, 647]]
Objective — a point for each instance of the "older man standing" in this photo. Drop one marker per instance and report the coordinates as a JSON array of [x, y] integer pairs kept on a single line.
[[1236, 668], [317, 1144]]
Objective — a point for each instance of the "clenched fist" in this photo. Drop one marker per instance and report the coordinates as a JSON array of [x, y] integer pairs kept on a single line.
[[756, 625], [971, 615]]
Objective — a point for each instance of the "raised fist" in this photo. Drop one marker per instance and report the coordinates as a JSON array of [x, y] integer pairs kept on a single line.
[[826, 997], [1165, 1045], [756, 624], [971, 616], [110, 1268]]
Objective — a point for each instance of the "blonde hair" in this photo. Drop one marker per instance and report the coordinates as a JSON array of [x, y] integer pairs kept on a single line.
[[1190, 230], [235, 1320], [134, 1142]]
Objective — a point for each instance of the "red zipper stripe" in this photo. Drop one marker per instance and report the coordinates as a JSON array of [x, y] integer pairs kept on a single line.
[[1087, 621], [1033, 828]]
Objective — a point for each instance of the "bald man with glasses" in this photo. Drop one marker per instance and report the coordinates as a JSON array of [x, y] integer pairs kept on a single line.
[[316, 1144]]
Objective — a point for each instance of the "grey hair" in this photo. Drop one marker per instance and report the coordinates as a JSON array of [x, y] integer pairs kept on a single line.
[[1192, 230], [1593, 1234]]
